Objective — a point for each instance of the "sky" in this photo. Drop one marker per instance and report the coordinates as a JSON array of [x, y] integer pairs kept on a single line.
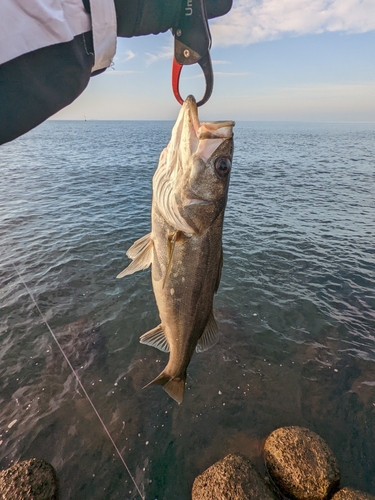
[[273, 60]]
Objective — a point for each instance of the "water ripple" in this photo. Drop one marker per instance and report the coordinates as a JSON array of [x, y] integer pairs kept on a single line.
[[295, 306]]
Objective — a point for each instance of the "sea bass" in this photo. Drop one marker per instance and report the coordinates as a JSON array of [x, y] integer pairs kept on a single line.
[[184, 248]]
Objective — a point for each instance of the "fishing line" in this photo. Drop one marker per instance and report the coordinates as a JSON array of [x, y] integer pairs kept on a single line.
[[80, 383]]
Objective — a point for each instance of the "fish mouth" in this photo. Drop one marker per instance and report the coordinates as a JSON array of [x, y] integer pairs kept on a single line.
[[208, 130], [204, 138], [191, 104]]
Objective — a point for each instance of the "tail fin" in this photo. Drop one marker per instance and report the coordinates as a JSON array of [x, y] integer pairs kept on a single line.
[[173, 386]]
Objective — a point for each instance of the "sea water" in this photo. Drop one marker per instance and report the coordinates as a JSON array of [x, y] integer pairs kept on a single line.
[[296, 307]]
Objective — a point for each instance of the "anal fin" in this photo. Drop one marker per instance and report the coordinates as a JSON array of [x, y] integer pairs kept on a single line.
[[175, 388], [210, 335], [155, 338], [141, 254]]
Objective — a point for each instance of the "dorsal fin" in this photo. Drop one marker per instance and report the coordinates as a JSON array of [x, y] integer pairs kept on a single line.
[[210, 335], [155, 338], [141, 254]]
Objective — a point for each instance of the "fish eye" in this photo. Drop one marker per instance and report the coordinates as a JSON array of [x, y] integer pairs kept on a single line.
[[222, 166]]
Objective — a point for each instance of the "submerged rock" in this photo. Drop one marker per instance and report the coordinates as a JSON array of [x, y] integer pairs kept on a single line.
[[349, 494], [301, 464], [232, 478], [32, 479]]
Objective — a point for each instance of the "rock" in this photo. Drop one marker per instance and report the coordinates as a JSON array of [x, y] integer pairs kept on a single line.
[[32, 479], [301, 464], [349, 494], [232, 478]]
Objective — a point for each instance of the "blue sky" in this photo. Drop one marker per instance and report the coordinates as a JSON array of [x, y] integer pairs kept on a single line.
[[287, 60]]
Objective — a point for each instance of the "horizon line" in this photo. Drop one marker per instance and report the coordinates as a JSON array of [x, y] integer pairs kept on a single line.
[[173, 120]]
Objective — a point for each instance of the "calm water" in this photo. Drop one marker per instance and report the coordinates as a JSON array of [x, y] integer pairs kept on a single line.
[[296, 306]]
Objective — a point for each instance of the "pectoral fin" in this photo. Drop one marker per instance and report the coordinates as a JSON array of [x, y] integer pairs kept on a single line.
[[219, 271], [141, 254], [170, 249], [155, 338], [210, 335]]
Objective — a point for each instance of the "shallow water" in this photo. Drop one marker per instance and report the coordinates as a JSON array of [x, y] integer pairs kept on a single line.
[[295, 306]]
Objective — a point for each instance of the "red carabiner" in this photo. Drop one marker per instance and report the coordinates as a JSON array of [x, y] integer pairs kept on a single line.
[[176, 72], [206, 65]]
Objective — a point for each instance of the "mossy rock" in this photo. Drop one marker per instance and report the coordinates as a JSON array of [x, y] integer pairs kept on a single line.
[[301, 464], [32, 479], [232, 478], [349, 494]]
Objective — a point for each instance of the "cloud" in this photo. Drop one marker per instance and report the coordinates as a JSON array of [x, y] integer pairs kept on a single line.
[[165, 52], [124, 57], [129, 55], [252, 21]]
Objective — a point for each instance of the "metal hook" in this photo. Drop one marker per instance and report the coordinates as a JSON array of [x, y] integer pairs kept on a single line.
[[192, 43], [206, 65]]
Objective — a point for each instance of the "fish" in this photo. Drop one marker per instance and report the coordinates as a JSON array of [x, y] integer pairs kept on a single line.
[[184, 247]]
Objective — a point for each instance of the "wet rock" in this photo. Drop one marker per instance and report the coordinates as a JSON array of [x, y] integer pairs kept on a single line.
[[32, 479], [232, 478], [349, 494], [301, 464]]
